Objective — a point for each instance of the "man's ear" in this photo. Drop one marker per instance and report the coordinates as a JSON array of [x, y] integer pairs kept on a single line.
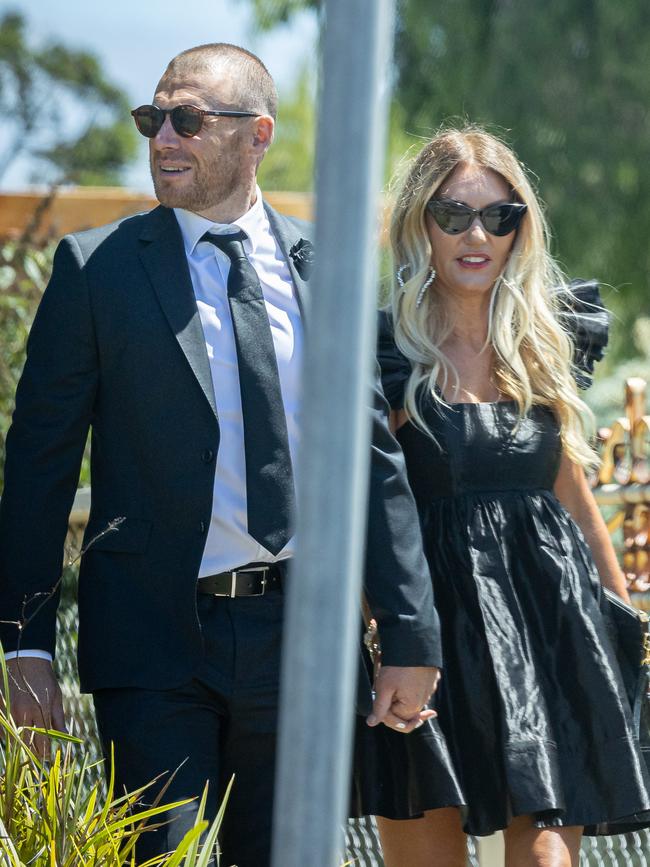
[[263, 133]]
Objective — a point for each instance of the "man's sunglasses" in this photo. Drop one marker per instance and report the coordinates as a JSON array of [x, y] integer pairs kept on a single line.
[[500, 218], [187, 120]]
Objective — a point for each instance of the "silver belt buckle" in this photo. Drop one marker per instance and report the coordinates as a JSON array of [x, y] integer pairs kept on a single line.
[[233, 580]]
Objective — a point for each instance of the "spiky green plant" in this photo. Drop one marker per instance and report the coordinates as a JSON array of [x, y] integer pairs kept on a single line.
[[51, 816]]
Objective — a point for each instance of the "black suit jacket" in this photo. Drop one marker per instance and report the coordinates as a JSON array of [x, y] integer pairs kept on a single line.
[[117, 346]]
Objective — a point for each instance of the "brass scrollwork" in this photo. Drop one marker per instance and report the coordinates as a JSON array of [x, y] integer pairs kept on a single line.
[[623, 481]]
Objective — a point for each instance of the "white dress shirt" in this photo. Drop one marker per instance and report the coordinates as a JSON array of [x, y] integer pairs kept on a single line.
[[228, 544]]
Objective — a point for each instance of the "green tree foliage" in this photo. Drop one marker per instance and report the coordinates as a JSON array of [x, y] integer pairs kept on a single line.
[[270, 13], [567, 83], [43, 89]]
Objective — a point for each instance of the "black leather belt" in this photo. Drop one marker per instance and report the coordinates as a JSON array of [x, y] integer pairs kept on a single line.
[[253, 580]]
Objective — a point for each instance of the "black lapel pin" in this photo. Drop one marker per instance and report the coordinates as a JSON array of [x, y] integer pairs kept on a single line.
[[302, 254]]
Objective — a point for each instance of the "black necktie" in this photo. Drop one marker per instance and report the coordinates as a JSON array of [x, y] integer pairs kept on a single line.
[[269, 477]]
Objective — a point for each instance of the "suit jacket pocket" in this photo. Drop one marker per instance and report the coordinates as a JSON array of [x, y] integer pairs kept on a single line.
[[129, 536]]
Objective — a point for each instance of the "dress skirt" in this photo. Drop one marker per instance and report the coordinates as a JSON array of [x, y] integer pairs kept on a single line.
[[533, 717]]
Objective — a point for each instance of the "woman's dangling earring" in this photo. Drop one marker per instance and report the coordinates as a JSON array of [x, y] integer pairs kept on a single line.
[[425, 286], [400, 279]]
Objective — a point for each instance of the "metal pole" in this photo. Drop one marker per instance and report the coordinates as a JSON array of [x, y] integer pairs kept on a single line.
[[322, 618], [491, 850]]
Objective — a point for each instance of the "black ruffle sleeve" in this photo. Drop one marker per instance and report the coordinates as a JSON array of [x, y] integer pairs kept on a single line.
[[395, 367], [585, 318]]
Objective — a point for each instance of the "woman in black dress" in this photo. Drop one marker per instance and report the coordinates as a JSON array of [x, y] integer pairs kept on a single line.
[[533, 733]]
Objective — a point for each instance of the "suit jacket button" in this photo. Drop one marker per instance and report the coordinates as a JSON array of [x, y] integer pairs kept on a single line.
[[202, 527], [208, 456]]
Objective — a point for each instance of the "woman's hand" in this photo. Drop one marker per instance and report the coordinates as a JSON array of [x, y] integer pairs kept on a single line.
[[402, 695]]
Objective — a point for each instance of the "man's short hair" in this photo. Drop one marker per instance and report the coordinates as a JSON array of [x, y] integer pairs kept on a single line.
[[253, 84]]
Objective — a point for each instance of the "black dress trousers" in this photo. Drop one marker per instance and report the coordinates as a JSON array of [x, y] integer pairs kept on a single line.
[[221, 723]]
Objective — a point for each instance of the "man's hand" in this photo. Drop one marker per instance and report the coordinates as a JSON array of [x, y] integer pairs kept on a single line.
[[35, 698], [401, 695]]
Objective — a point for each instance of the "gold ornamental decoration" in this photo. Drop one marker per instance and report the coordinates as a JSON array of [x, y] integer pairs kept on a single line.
[[623, 482]]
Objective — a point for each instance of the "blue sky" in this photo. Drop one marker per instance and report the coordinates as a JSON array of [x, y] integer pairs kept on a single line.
[[135, 39]]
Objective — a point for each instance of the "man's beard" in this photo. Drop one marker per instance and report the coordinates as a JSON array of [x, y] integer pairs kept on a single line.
[[210, 185]]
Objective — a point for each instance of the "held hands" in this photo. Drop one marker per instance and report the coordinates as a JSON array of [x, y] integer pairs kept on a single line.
[[401, 696], [35, 699]]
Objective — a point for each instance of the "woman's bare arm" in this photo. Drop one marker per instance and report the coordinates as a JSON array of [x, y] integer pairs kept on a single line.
[[573, 491]]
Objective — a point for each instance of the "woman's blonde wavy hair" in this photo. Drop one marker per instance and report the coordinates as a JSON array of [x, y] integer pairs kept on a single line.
[[533, 352]]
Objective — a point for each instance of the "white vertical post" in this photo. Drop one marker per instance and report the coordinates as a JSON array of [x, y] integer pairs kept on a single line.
[[322, 618], [491, 850]]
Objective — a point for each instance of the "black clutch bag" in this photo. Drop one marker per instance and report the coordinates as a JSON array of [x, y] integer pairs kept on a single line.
[[629, 632]]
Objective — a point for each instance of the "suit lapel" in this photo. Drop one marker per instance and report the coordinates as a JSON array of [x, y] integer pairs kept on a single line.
[[163, 256], [287, 234]]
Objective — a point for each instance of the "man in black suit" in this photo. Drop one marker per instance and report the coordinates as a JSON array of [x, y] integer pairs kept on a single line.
[[176, 337]]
